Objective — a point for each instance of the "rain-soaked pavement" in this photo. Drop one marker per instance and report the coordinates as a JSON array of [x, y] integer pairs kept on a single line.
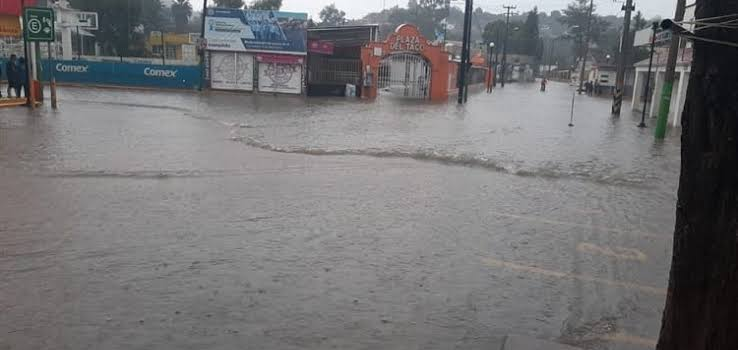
[[165, 220]]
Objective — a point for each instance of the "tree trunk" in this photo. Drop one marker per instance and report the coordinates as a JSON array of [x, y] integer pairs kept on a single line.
[[702, 301]]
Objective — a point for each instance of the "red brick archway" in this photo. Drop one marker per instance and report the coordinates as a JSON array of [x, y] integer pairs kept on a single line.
[[407, 39]]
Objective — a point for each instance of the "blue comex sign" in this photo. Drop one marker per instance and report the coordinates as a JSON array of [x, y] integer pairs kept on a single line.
[[130, 74], [254, 30]]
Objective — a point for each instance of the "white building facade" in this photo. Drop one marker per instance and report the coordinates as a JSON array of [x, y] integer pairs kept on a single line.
[[650, 100]]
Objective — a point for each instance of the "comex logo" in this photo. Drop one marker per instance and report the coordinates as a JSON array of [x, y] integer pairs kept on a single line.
[[164, 73], [71, 68]]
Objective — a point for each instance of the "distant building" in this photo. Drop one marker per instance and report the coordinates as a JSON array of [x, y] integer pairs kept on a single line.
[[175, 46]]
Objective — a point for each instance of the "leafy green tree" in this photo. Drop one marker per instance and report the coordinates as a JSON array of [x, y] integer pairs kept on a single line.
[[236, 4], [530, 34], [331, 16], [494, 32], [577, 14], [181, 11], [123, 25], [273, 5]]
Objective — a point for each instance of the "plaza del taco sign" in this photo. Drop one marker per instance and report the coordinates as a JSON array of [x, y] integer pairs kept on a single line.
[[410, 42]]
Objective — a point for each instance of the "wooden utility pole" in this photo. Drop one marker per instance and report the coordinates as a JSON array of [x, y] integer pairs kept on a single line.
[[625, 46], [660, 131], [701, 309], [585, 49], [504, 47]]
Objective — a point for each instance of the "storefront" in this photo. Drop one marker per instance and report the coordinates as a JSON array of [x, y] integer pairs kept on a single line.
[[406, 65], [251, 50]]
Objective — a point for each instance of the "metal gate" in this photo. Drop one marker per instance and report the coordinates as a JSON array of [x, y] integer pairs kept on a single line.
[[405, 75]]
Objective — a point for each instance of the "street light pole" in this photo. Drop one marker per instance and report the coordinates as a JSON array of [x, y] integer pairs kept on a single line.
[[504, 46], [490, 70], [655, 27], [586, 46], [497, 52]]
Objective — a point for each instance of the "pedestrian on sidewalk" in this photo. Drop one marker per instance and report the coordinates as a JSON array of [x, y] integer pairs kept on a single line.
[[22, 79], [11, 71]]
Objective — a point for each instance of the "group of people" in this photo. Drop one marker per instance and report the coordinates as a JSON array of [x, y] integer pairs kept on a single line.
[[15, 71], [593, 88]]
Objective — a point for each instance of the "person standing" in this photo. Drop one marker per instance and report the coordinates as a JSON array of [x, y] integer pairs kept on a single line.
[[22, 78], [11, 71]]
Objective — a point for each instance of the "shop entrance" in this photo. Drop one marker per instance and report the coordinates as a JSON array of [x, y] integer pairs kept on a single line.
[[406, 75], [405, 65]]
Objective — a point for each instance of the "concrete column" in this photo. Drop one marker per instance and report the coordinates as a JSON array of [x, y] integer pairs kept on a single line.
[[655, 97], [680, 97], [637, 90], [66, 38]]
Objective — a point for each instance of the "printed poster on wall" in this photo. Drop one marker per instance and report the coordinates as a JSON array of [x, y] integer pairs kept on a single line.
[[280, 77], [254, 30], [232, 71]]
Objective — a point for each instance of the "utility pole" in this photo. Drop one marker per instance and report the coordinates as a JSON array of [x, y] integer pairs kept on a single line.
[[465, 51], [202, 46], [625, 46], [585, 49], [669, 75], [497, 51], [504, 48]]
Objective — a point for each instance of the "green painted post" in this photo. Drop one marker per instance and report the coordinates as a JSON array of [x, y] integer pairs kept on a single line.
[[669, 75], [664, 109]]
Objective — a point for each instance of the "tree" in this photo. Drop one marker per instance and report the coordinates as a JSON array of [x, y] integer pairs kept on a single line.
[[123, 24], [577, 14], [273, 5], [235, 4], [642, 52], [331, 16], [181, 11], [530, 34], [701, 309], [493, 32]]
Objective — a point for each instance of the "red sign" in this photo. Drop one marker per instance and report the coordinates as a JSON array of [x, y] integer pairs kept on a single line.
[[321, 47], [13, 7], [281, 59]]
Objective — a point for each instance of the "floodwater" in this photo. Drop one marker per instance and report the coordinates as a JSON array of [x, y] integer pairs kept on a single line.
[[167, 220]]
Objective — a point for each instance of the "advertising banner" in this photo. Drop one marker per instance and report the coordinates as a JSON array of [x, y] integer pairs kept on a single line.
[[283, 59], [282, 78], [10, 26], [232, 71], [131, 74], [321, 47], [255, 30], [13, 7]]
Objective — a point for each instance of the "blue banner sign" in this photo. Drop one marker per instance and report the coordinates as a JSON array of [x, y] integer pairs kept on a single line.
[[127, 74], [229, 29]]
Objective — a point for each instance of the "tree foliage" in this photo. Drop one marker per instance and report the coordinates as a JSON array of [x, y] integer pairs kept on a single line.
[[273, 5], [236, 4], [577, 15], [181, 12], [530, 34], [123, 25], [332, 16]]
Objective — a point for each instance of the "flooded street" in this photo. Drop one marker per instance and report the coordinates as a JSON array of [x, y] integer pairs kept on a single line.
[[172, 220]]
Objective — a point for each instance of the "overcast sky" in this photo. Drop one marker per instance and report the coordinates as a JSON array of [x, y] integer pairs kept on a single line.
[[358, 8]]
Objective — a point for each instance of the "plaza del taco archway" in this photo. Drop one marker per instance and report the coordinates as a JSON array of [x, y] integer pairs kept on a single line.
[[406, 65]]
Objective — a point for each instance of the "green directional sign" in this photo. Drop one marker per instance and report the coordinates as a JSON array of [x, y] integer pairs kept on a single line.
[[38, 24]]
